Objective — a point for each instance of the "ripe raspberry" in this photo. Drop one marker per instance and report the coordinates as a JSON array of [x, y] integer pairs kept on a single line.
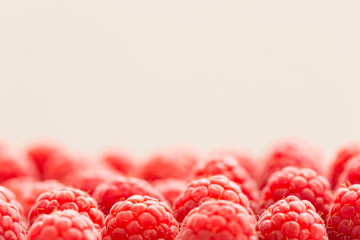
[[67, 198], [168, 164], [27, 190], [9, 197], [11, 226], [214, 187], [119, 189], [39, 153], [351, 172], [16, 165], [244, 159], [303, 183], [289, 153], [343, 221], [291, 218], [170, 188], [344, 154], [218, 220], [228, 166], [119, 161], [64, 225], [140, 217]]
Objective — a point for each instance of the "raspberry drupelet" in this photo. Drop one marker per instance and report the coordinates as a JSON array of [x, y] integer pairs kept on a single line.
[[11, 225], [140, 217], [291, 218], [218, 220]]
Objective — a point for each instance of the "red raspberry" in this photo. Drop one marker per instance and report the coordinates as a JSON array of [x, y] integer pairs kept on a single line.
[[244, 159], [170, 188], [343, 221], [67, 198], [11, 226], [351, 172], [16, 165], [289, 153], [228, 166], [218, 220], [168, 164], [39, 153], [204, 189], [303, 183], [27, 190], [140, 217], [120, 188], [9, 197], [291, 218], [64, 225], [344, 154], [119, 161]]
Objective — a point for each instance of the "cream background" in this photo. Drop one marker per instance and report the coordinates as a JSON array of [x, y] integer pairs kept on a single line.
[[149, 74]]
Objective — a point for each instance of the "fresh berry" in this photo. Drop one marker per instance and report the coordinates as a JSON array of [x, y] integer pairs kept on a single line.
[[214, 187], [119, 161], [120, 188], [67, 198], [27, 190], [63, 225], [39, 153], [244, 159], [168, 164], [11, 226], [170, 188], [226, 165], [304, 183], [218, 220], [351, 172], [289, 153], [343, 221], [140, 217], [9, 197], [291, 218], [342, 157]]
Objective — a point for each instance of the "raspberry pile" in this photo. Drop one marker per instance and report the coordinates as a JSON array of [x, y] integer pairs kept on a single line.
[[292, 192]]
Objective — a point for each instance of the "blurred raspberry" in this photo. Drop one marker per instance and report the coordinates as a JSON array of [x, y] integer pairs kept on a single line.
[[289, 153], [168, 164], [351, 172], [218, 220], [27, 190], [303, 183], [170, 188], [214, 187], [119, 189], [67, 198], [140, 217], [227, 165], [291, 218], [343, 221], [39, 153], [120, 161], [11, 225], [342, 157], [64, 225]]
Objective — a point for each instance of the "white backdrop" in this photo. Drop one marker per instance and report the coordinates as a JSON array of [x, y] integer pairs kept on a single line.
[[149, 74]]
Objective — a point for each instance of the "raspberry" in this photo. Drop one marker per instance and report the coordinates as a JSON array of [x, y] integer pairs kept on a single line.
[[119, 161], [204, 189], [27, 190], [16, 165], [289, 153], [243, 158], [303, 183], [170, 188], [11, 226], [291, 218], [168, 164], [228, 166], [343, 221], [218, 220], [351, 172], [67, 198], [64, 225], [344, 154], [39, 153], [120, 188], [9, 197], [140, 217]]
